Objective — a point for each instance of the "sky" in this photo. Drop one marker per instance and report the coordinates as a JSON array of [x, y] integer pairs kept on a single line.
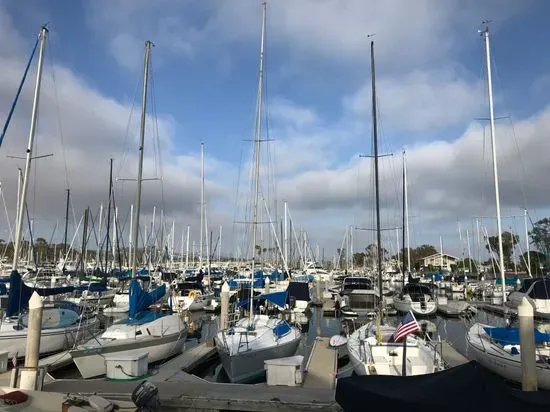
[[431, 94]]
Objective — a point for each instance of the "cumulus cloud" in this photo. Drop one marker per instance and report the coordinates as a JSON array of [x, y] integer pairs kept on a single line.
[[83, 128]]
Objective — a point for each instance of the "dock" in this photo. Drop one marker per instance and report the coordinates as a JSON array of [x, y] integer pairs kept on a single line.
[[322, 366], [450, 355], [180, 390], [186, 362]]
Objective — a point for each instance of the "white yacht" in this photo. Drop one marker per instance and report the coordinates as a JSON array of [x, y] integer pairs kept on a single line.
[[372, 352], [417, 298]]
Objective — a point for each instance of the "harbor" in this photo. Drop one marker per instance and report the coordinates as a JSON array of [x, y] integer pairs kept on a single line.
[[329, 262]]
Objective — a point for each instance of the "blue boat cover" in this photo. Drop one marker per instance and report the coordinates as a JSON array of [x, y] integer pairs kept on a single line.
[[140, 300], [3, 289], [20, 294], [281, 329], [510, 336], [92, 287], [277, 298]]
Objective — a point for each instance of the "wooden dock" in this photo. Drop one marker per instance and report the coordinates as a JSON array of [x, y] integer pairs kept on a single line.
[[322, 366]]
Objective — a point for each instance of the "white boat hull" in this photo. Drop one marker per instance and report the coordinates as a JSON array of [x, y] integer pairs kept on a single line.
[[91, 361], [499, 362], [161, 338], [417, 308], [249, 365], [51, 340]]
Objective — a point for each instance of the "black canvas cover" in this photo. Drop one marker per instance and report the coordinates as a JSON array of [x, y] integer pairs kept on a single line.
[[465, 388], [299, 290]]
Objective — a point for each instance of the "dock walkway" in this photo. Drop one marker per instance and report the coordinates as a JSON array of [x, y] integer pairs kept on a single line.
[[451, 356], [322, 366]]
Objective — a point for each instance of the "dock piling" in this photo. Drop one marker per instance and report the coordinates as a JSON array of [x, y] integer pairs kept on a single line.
[[224, 306], [29, 374], [527, 344]]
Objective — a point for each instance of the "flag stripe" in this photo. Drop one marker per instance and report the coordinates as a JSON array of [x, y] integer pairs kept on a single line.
[[407, 326]]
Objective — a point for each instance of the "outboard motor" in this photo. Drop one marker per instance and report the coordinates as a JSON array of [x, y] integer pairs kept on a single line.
[[145, 397]]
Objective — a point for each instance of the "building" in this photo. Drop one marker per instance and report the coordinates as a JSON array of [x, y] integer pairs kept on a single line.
[[434, 261]]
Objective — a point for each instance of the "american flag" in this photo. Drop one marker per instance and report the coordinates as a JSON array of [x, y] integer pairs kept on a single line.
[[408, 325]]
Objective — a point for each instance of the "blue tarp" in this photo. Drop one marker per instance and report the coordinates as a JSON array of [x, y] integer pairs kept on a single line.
[[140, 300], [281, 329], [510, 336], [233, 284], [18, 298]]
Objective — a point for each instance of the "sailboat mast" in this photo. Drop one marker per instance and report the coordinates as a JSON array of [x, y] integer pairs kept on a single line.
[[376, 176], [140, 164], [527, 244], [202, 233], [485, 33], [406, 193], [66, 226], [28, 157], [108, 220], [405, 267], [257, 160]]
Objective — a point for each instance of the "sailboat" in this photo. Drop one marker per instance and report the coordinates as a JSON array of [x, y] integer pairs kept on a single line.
[[370, 347], [157, 333], [244, 347], [496, 348], [61, 324]]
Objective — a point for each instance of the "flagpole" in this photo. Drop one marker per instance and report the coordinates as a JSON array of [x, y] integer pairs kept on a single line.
[[404, 367]]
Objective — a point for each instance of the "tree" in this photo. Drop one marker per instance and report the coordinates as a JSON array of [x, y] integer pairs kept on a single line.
[[509, 241], [466, 264], [540, 235], [538, 260], [358, 259]]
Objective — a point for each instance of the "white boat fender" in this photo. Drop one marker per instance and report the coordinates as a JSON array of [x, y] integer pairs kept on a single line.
[[338, 340]]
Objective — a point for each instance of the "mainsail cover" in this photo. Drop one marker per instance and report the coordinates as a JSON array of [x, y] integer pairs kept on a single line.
[[140, 300], [20, 294]]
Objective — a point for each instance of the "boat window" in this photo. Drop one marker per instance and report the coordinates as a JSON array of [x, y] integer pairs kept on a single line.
[[540, 289]]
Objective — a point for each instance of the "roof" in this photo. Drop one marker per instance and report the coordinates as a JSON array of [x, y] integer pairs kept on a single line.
[[438, 255]]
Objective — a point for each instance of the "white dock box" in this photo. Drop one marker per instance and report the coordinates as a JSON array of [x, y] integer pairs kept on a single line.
[[4, 361], [285, 371], [124, 367]]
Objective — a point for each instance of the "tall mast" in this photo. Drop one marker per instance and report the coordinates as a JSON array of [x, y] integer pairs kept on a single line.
[[108, 220], [66, 226], [404, 228], [406, 196], [202, 234], [257, 160], [485, 33], [376, 177], [527, 243], [28, 157], [140, 164], [187, 248], [285, 236], [131, 234]]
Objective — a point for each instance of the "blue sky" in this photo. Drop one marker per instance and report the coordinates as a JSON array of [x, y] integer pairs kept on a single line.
[[430, 72]]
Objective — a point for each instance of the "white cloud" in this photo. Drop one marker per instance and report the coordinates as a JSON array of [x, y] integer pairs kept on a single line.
[[421, 100]]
